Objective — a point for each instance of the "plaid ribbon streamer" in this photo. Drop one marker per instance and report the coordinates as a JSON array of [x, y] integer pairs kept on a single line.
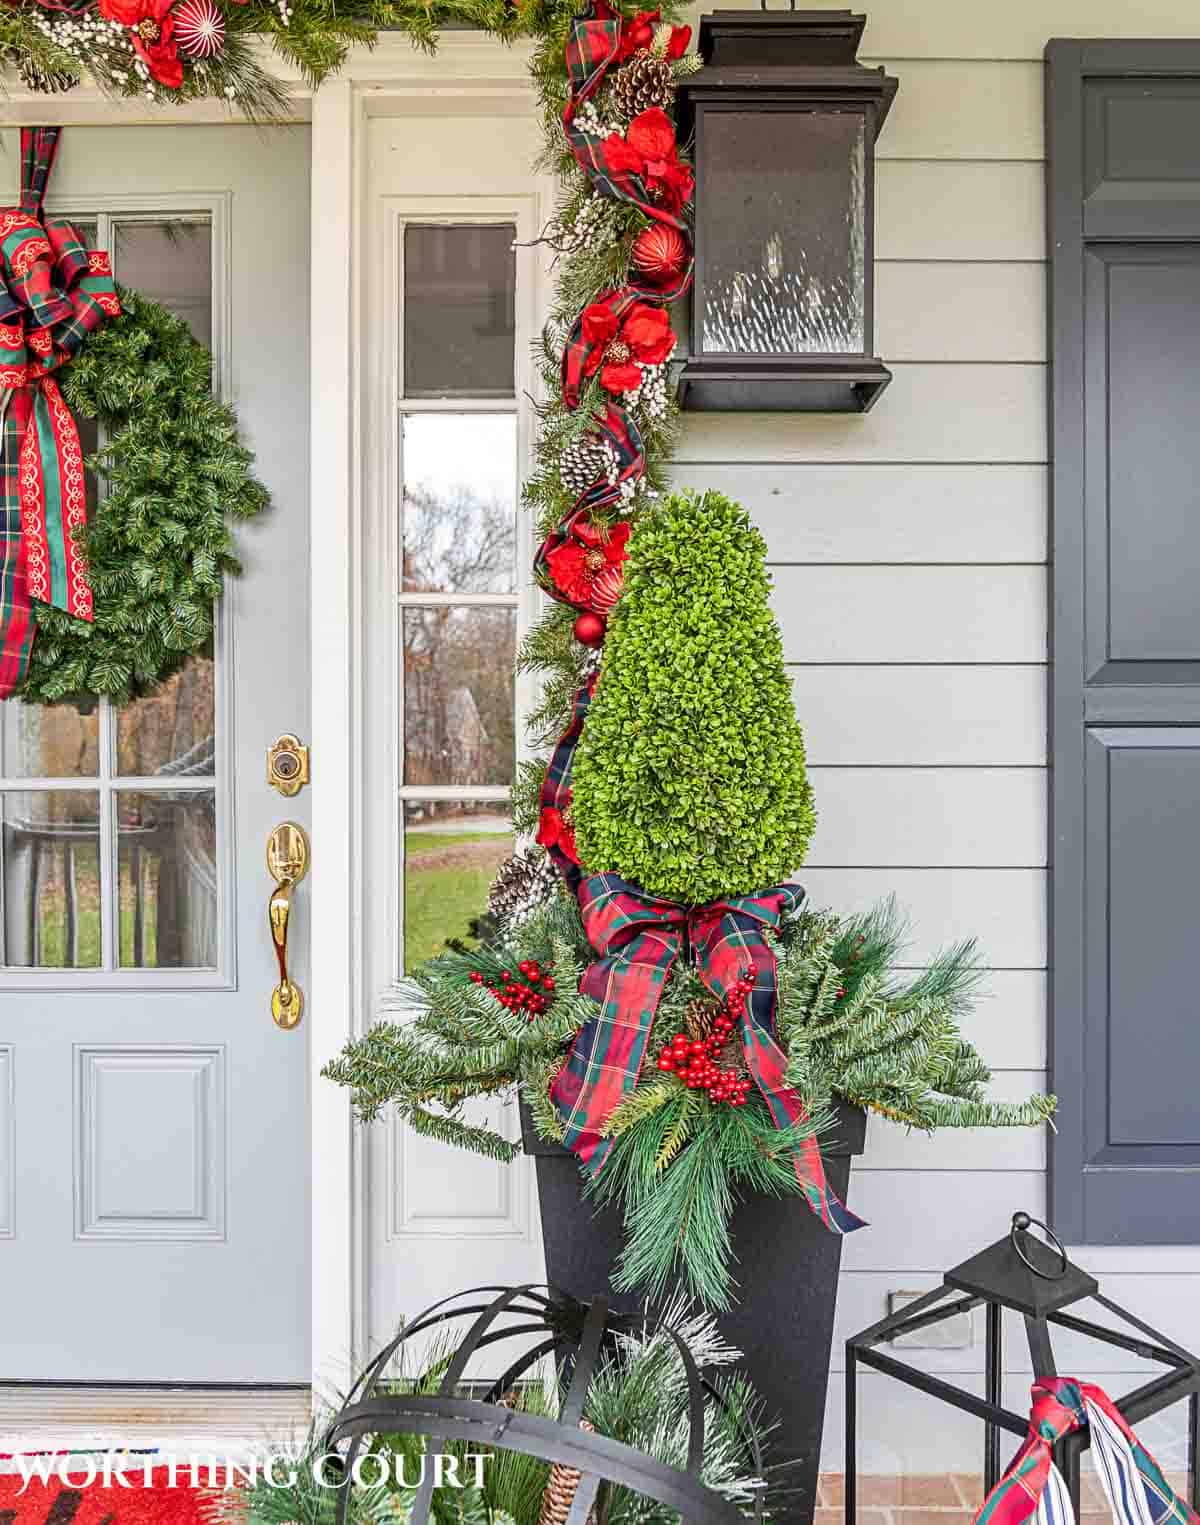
[[591, 49], [53, 293], [1137, 1491], [639, 937], [556, 786]]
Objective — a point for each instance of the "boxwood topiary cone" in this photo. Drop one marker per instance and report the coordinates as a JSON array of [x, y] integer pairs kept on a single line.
[[690, 777]]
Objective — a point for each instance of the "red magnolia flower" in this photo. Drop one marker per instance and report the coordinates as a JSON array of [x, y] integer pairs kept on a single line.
[[152, 30], [586, 566], [649, 149], [615, 347], [555, 831]]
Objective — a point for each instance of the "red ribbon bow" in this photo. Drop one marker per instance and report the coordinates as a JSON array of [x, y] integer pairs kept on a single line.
[[53, 293], [639, 937]]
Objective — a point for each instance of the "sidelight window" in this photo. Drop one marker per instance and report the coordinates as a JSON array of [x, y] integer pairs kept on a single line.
[[457, 479]]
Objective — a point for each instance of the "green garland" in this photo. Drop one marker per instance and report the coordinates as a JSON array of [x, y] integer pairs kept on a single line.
[[159, 545], [53, 50]]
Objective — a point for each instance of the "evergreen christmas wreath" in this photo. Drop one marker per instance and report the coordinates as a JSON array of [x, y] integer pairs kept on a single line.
[[159, 544]]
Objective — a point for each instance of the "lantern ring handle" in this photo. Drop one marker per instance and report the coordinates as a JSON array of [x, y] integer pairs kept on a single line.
[[1022, 1223]]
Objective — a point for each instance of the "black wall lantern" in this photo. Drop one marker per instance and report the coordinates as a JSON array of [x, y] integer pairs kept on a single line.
[[785, 122]]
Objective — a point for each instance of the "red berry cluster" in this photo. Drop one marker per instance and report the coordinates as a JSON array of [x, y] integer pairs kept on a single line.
[[531, 991], [694, 1060]]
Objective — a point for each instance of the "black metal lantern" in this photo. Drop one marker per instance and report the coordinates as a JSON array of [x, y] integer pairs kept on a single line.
[[1035, 1279], [547, 1322], [785, 121]]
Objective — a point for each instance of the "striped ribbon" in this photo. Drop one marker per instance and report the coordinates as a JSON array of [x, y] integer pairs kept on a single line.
[[1137, 1491], [54, 292]]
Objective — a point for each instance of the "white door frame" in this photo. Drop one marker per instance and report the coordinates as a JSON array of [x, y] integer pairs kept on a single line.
[[382, 83], [373, 83]]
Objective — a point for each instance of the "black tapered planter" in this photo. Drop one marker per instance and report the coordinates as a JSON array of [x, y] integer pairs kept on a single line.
[[787, 1272]]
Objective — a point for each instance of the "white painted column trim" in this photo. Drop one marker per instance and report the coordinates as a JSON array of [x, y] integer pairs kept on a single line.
[[336, 1259]]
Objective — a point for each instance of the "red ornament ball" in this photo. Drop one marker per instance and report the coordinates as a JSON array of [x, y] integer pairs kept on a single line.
[[199, 29], [660, 253], [589, 629]]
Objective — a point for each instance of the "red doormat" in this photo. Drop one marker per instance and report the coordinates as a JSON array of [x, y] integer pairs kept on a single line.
[[58, 1503]]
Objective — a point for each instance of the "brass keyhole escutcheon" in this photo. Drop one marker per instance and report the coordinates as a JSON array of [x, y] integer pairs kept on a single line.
[[287, 863], [287, 765]]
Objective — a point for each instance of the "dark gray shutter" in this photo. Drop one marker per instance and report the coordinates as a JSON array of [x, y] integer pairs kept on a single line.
[[1123, 151]]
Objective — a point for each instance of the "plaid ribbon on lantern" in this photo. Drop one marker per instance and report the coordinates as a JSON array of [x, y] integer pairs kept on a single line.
[[639, 937], [54, 292], [1137, 1491]]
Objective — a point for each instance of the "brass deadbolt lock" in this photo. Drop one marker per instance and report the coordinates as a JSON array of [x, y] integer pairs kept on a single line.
[[287, 765]]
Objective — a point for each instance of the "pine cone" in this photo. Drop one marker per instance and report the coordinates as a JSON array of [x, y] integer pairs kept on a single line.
[[46, 81], [560, 1491], [643, 82], [523, 884], [582, 464], [697, 1017]]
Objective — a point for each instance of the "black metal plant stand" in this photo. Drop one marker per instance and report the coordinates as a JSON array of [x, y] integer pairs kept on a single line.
[[1035, 1279], [548, 1322]]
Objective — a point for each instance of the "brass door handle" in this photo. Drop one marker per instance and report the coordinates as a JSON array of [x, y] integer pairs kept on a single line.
[[287, 862]]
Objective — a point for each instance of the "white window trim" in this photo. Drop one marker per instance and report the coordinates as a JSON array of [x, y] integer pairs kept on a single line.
[[471, 75]]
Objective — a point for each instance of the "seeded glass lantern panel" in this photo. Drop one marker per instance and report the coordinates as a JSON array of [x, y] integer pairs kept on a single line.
[[785, 121], [786, 274]]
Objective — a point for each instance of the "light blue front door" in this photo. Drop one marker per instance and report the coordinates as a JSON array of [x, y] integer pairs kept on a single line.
[[154, 1220]]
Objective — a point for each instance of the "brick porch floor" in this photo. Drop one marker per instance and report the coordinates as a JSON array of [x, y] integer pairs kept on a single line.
[[944, 1499]]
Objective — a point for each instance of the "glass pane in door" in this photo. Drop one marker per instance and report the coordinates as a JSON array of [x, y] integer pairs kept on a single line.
[[167, 867], [173, 730], [170, 261], [49, 741], [458, 695], [452, 849], [50, 861], [459, 310], [460, 502]]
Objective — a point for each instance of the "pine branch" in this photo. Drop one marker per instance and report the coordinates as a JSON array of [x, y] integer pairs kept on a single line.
[[640, 1104]]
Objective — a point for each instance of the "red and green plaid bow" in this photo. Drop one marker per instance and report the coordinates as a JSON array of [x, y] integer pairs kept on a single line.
[[1138, 1493], [638, 938], [53, 293]]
